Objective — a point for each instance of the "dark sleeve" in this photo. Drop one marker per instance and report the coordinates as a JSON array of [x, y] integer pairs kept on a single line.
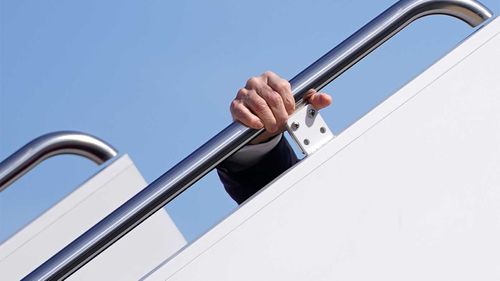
[[240, 185]]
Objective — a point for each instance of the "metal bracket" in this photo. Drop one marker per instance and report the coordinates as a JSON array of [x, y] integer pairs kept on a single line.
[[308, 129]]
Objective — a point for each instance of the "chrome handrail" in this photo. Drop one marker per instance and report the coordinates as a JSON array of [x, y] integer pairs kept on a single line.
[[52, 144], [233, 137]]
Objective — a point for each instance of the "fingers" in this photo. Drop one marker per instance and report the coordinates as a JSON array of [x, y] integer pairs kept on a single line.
[[319, 100], [283, 88], [241, 113], [267, 101], [257, 103], [276, 105], [266, 97], [252, 110]]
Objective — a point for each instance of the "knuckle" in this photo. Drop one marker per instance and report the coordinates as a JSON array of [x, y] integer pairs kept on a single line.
[[284, 86], [267, 73], [242, 90], [261, 106], [241, 93], [234, 105], [274, 100], [253, 82], [236, 112]]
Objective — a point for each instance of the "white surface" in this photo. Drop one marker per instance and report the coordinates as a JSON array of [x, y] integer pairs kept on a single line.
[[409, 192], [128, 259]]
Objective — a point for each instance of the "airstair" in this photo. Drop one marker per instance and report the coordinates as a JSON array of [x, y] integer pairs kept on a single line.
[[410, 191]]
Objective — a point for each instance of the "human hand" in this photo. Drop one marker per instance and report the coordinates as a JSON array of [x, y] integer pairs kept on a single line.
[[266, 101]]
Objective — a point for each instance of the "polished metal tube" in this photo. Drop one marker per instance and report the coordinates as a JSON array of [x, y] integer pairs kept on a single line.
[[233, 137], [46, 146], [376, 32]]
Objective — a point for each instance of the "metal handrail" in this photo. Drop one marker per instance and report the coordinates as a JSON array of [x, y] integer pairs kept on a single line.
[[233, 137], [52, 144]]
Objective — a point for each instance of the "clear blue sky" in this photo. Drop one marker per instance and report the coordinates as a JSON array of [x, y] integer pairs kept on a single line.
[[155, 78]]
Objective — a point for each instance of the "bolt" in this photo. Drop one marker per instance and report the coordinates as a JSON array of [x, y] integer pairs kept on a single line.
[[311, 112], [295, 126]]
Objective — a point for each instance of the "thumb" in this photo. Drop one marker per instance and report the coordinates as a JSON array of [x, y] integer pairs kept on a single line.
[[320, 100]]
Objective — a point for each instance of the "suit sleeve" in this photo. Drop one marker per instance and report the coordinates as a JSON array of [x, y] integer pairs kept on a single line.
[[240, 184]]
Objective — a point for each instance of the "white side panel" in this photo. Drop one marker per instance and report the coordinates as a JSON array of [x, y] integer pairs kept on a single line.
[[128, 259], [409, 192]]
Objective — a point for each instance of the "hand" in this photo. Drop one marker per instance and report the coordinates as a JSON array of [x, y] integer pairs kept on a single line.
[[266, 101]]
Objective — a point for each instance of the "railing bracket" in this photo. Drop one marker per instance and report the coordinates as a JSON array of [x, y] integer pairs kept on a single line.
[[309, 129]]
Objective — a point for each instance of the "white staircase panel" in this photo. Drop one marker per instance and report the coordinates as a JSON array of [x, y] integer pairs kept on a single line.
[[409, 192], [128, 259]]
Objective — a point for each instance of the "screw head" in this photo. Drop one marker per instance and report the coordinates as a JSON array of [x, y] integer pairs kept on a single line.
[[295, 126], [311, 112]]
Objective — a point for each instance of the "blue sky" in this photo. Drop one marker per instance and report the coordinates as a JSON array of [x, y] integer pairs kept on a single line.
[[155, 79]]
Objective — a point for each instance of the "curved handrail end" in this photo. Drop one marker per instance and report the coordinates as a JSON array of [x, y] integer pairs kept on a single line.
[[52, 144]]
